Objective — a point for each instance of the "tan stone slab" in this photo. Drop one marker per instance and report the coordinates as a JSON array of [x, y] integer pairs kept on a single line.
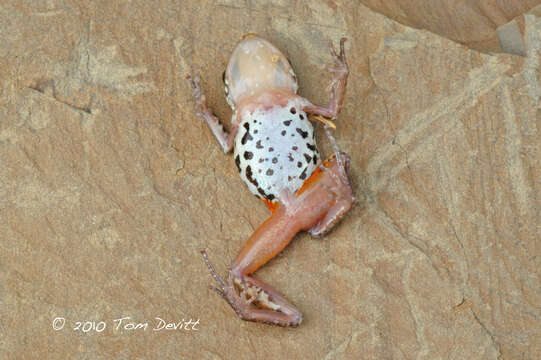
[[110, 186]]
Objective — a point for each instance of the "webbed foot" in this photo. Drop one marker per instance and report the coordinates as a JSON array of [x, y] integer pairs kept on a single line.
[[253, 300]]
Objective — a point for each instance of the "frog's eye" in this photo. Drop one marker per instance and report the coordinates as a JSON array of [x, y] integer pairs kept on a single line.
[[225, 84]]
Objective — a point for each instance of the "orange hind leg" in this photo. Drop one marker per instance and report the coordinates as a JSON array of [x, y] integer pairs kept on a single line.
[[316, 207]]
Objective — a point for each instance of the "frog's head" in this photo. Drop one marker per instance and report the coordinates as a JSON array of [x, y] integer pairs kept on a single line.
[[256, 66]]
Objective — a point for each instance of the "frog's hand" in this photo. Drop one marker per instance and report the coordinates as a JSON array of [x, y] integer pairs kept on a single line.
[[224, 138], [337, 87]]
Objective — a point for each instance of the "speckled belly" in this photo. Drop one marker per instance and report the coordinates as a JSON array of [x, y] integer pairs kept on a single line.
[[275, 149]]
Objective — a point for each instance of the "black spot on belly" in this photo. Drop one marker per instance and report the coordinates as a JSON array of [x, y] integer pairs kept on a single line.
[[295, 148], [237, 162], [269, 172], [248, 155], [293, 110], [315, 159], [302, 133], [287, 122], [249, 176], [274, 160], [247, 136], [301, 116], [308, 158], [261, 160], [283, 133], [299, 164], [258, 145], [311, 146], [303, 175], [290, 157], [271, 149], [269, 197]]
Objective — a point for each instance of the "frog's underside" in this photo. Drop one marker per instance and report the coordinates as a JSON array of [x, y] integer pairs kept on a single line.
[[277, 157]]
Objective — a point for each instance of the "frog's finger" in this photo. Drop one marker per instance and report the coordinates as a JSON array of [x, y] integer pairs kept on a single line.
[[325, 121]]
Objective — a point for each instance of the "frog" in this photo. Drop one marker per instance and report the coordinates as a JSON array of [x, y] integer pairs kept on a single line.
[[275, 151]]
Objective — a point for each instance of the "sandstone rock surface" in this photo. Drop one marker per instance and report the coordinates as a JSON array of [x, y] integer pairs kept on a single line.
[[110, 186], [473, 23]]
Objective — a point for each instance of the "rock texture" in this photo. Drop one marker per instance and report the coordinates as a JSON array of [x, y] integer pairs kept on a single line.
[[110, 186], [473, 23]]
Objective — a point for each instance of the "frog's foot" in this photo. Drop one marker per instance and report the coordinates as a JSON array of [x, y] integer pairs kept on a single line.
[[336, 165], [201, 109], [253, 300], [337, 87]]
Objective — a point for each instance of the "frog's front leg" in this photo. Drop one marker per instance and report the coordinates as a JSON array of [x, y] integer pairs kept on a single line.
[[224, 138], [254, 300], [337, 87]]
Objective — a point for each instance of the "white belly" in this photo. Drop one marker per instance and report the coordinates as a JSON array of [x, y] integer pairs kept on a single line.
[[275, 150]]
